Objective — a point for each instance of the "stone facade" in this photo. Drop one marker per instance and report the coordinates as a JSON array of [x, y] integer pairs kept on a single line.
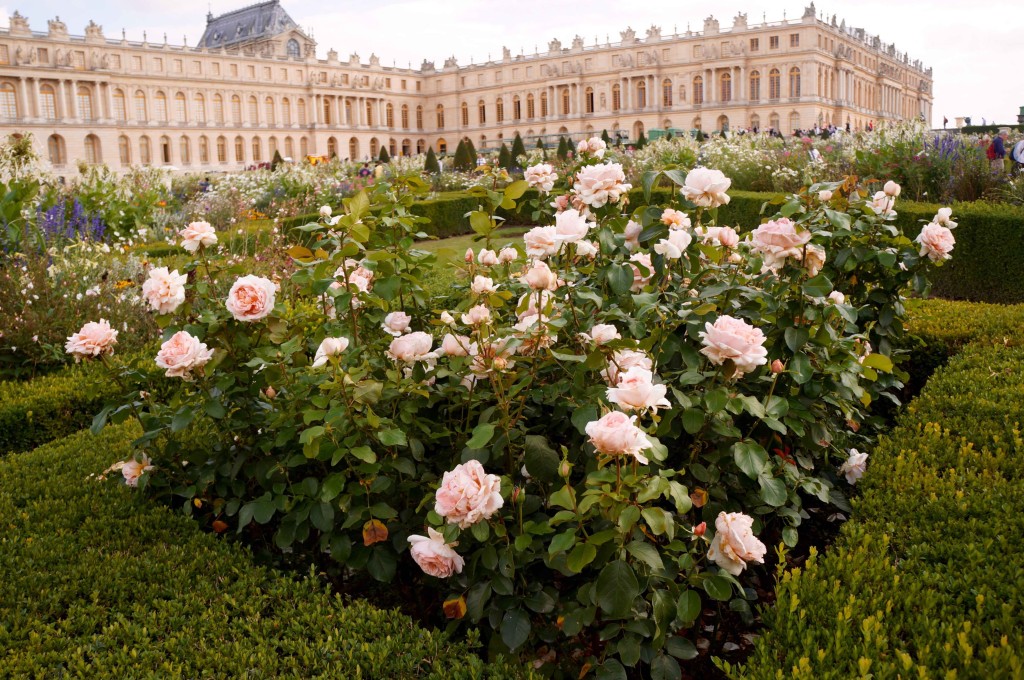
[[255, 85]]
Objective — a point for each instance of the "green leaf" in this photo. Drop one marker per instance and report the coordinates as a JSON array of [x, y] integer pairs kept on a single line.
[[322, 516], [617, 587], [331, 487], [717, 587], [392, 437], [480, 222], [481, 436], [611, 669], [664, 667], [620, 278], [182, 419], [515, 628], [311, 433], [382, 564], [582, 555], [693, 420], [660, 521], [681, 648], [99, 421], [647, 181], [516, 190], [581, 417], [646, 553], [688, 607], [773, 491], [879, 362], [796, 338], [364, 453], [801, 369], [541, 460], [750, 457], [819, 286], [562, 542]]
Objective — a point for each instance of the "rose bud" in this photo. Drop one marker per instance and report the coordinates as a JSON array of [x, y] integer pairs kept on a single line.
[[564, 469], [778, 366], [270, 392], [469, 255], [699, 529]]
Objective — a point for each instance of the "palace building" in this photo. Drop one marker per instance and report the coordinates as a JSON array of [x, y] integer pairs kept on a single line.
[[255, 85]]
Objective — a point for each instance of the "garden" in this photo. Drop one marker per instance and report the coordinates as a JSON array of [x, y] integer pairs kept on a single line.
[[707, 408]]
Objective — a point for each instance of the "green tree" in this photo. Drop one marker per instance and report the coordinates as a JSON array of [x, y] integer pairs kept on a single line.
[[518, 149], [543, 149], [641, 141], [606, 138], [384, 156], [563, 148], [430, 163], [471, 152], [276, 160], [462, 160], [504, 157]]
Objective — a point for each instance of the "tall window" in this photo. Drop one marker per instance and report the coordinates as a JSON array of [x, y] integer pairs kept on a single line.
[[165, 150], [499, 110], [204, 150], [218, 109], [698, 90], [773, 121], [84, 102], [124, 150], [254, 111], [755, 86], [271, 146], [588, 99], [120, 109], [160, 113], [8, 102], [289, 147], [565, 102], [440, 117], [239, 150], [369, 113], [405, 116], [616, 97], [48, 102], [236, 109], [726, 87], [465, 114], [302, 112], [794, 82], [666, 92], [641, 95], [268, 109], [419, 117], [389, 113], [199, 108], [185, 147], [530, 107], [180, 108], [304, 147], [774, 84], [543, 104], [293, 48], [92, 150], [222, 149], [481, 112], [145, 152], [257, 150], [286, 111], [517, 108]]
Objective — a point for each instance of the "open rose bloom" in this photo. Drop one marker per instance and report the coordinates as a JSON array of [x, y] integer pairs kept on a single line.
[[93, 340], [251, 298], [164, 290], [732, 339], [434, 556], [183, 355], [735, 545], [468, 495], [198, 235]]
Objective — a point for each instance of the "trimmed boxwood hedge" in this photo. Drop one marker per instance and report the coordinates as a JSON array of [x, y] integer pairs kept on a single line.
[[99, 582], [926, 579]]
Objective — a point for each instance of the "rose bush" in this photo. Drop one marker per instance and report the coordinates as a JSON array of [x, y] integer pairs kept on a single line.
[[549, 445]]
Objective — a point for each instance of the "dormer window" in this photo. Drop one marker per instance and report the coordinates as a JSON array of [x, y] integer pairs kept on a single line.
[[293, 48]]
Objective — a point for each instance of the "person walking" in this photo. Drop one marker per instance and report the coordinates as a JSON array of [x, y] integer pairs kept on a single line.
[[997, 152]]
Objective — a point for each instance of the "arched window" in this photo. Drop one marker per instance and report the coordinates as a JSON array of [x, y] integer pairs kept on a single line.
[[530, 106], [292, 48], [239, 150], [145, 152], [421, 146], [84, 103], [92, 150], [271, 146], [723, 123], [199, 108], [353, 148], [218, 109], [124, 150], [544, 104], [419, 117], [236, 109], [774, 84], [794, 121], [185, 150], [481, 112], [725, 88], [289, 147], [327, 111], [332, 147], [698, 91], [389, 114], [48, 102], [616, 97], [440, 116], [120, 108], [8, 101], [268, 110], [442, 146], [565, 101], [254, 111], [286, 111], [180, 108], [405, 116], [588, 99], [773, 121], [406, 147], [222, 149], [302, 111], [755, 86], [499, 111], [303, 147], [517, 108], [794, 82], [641, 95], [666, 92], [696, 123], [257, 150], [392, 149], [160, 113], [464, 108], [204, 150], [165, 150], [755, 122]]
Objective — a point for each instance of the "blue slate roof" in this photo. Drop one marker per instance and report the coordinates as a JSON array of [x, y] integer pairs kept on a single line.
[[246, 25]]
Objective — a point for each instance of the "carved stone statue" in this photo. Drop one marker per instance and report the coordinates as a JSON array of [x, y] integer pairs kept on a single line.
[[94, 31], [94, 61], [19, 56], [506, 54], [58, 29], [710, 26], [427, 66], [628, 36], [353, 59], [374, 60], [19, 24], [809, 11], [451, 62], [105, 61], [654, 33], [577, 43], [740, 21], [555, 46]]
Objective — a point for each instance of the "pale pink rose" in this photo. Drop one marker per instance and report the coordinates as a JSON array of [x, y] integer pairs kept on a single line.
[[601, 334], [196, 235], [581, 147], [412, 348], [325, 211], [824, 195], [164, 290], [561, 202], [491, 355], [675, 219], [541, 176], [455, 345], [734, 544], [728, 237], [891, 189], [673, 247], [594, 146], [616, 434], [882, 204], [855, 466], [597, 185], [476, 316], [487, 258], [636, 391], [251, 298], [708, 235], [469, 255], [94, 339], [623, 360], [814, 259], [540, 277], [641, 279], [434, 556], [944, 218], [936, 242], [836, 297], [541, 242], [530, 322], [468, 495], [779, 239], [447, 319], [706, 187], [570, 226], [396, 323], [507, 254], [329, 347], [533, 303], [182, 354], [735, 339], [482, 285], [358, 276], [632, 234], [132, 469], [588, 249]]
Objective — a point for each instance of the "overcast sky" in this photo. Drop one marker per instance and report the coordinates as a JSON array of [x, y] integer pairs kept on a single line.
[[976, 48]]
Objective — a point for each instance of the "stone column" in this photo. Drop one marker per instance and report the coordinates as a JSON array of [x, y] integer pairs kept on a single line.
[[22, 110], [109, 99], [36, 108]]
